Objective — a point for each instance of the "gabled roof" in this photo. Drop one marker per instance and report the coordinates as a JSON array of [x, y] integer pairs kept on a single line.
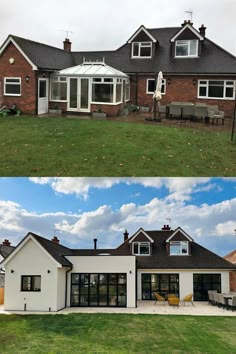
[[140, 231], [6, 250], [200, 257], [139, 30], [39, 55], [179, 229], [191, 28]]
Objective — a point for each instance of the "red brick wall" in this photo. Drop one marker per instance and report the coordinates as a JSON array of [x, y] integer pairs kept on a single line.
[[232, 281], [21, 68], [181, 89]]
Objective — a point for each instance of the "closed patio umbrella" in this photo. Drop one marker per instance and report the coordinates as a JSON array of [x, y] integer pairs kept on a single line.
[[157, 94]]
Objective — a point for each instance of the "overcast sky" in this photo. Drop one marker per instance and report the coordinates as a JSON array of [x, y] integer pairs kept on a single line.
[[108, 24], [81, 209]]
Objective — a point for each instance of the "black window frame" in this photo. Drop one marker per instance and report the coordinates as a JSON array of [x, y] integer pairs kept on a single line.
[[31, 283], [200, 283], [160, 288], [111, 281]]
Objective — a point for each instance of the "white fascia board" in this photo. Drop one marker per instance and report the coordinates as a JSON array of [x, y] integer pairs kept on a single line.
[[141, 230], [28, 237], [142, 28], [191, 29], [10, 39], [182, 232]]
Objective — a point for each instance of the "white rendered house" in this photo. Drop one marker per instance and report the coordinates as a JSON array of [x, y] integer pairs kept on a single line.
[[42, 275]]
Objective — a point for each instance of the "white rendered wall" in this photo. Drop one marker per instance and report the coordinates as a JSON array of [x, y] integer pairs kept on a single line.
[[106, 264], [31, 260], [185, 279]]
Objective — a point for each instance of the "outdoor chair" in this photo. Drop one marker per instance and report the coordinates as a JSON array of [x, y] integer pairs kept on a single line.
[[188, 298], [232, 303], [215, 298], [215, 115], [159, 298], [161, 109], [210, 296], [173, 300], [200, 112], [188, 110], [221, 300], [175, 110]]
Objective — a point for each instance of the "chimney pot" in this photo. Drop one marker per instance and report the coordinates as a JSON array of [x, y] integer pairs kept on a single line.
[[55, 240], [67, 45], [126, 235], [166, 228], [95, 243], [202, 30], [6, 243]]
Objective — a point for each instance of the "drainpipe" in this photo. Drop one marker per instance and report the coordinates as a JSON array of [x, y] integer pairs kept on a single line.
[[66, 286], [136, 90]]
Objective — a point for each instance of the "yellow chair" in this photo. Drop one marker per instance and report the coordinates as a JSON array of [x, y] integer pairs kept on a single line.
[[188, 298], [159, 298], [173, 300]]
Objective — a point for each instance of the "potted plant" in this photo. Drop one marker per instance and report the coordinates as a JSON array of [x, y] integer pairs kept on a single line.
[[144, 109], [99, 114]]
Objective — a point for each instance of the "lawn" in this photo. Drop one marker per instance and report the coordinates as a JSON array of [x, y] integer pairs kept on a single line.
[[116, 333], [33, 146]]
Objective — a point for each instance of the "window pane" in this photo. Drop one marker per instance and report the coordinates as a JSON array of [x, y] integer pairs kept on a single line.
[[151, 85], [75, 278], [118, 93], [42, 89], [175, 249], [12, 89], [145, 51], [202, 91], [26, 283], [193, 48], [36, 283], [216, 91], [135, 49], [229, 92], [181, 50], [144, 249], [102, 93], [135, 248]]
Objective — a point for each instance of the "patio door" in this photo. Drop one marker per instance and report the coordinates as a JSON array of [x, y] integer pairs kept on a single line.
[[42, 96], [79, 94], [204, 282]]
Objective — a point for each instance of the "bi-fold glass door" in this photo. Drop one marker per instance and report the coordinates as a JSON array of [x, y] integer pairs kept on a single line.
[[79, 91]]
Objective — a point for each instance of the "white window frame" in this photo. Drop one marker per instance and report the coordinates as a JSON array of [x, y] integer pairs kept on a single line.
[[205, 83], [182, 244], [12, 83], [52, 79], [152, 92], [140, 244], [114, 82], [127, 90], [142, 45], [181, 42]]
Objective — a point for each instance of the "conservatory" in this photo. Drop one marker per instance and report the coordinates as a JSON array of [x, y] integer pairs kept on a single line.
[[90, 86]]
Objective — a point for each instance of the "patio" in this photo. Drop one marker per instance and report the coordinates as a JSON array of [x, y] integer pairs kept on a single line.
[[143, 307]]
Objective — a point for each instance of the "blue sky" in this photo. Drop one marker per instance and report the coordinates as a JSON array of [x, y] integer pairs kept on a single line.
[[80, 209]]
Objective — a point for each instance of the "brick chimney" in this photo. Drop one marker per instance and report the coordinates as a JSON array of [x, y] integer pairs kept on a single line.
[[202, 30], [166, 228], [6, 243], [67, 45], [186, 22], [126, 235], [55, 240], [95, 243]]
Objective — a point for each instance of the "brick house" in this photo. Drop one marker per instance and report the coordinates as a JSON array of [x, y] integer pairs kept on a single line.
[[36, 76], [164, 261], [231, 257]]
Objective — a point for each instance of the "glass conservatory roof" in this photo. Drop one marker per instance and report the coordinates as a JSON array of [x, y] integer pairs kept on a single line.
[[92, 69]]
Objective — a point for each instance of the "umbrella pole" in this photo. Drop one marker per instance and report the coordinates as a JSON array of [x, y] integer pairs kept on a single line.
[[155, 109]]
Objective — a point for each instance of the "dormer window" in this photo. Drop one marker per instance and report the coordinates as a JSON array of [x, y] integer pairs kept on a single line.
[[186, 48], [141, 248], [178, 248], [141, 49]]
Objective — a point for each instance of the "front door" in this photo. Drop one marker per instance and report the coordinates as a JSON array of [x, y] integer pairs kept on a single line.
[[79, 95], [42, 96]]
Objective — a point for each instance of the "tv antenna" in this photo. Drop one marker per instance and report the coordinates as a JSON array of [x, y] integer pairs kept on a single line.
[[190, 13], [169, 220], [67, 32]]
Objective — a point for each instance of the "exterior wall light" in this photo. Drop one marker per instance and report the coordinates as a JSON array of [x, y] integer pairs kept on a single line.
[[12, 271], [168, 81], [27, 78], [49, 271], [194, 82]]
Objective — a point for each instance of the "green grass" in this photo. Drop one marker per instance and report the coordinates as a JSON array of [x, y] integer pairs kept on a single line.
[[117, 333], [32, 146]]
